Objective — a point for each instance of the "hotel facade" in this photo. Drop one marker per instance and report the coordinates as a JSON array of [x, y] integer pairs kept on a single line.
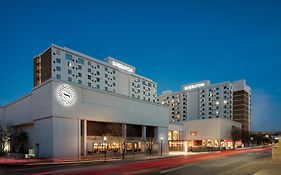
[[202, 108], [80, 105], [77, 100]]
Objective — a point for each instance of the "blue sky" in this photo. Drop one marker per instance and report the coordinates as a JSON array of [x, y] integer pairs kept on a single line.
[[172, 42]]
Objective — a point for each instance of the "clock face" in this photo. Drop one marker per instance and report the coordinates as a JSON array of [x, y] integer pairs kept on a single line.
[[66, 95]]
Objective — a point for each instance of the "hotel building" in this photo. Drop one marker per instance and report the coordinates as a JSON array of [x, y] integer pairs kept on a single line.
[[205, 101], [111, 75], [77, 101]]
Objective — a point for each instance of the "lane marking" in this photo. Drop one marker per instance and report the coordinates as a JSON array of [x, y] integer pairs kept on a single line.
[[176, 168]]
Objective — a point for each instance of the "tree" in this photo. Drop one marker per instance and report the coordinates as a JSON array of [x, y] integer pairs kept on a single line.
[[235, 135], [19, 142], [5, 133], [115, 130], [119, 132], [149, 142]]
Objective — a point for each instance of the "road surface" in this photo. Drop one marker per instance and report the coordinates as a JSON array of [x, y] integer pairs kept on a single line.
[[236, 162]]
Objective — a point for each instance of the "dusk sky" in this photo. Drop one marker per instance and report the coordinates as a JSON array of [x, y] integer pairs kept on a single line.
[[171, 42]]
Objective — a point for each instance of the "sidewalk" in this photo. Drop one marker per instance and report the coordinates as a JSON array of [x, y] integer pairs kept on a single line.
[[4, 161], [274, 168]]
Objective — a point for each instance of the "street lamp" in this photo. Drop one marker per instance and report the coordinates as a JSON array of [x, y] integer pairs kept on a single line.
[[104, 138], [161, 139]]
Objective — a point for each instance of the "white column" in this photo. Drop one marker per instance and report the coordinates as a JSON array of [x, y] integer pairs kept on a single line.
[[162, 132], [143, 132], [79, 138], [124, 130], [143, 135], [85, 137]]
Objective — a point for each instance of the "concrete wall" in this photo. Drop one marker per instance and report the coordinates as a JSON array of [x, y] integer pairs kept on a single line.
[[193, 107], [54, 129], [209, 129], [44, 138], [108, 107], [19, 112], [66, 137], [175, 127], [123, 84]]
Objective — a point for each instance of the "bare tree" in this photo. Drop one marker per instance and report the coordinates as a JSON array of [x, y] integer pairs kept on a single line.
[[149, 143], [5, 133], [19, 142], [115, 131], [235, 135]]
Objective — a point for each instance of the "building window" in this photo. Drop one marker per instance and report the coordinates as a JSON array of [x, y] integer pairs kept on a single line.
[[58, 76], [105, 68], [98, 66], [68, 57], [89, 63], [106, 88], [105, 82], [113, 71], [89, 77], [58, 60], [89, 84], [79, 67], [98, 86], [80, 61], [58, 68], [98, 73], [113, 77], [105, 75], [98, 79], [79, 74], [113, 84], [69, 64], [69, 71], [89, 70], [69, 79], [79, 81]]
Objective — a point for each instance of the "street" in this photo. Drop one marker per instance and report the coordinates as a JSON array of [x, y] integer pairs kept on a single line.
[[223, 163]]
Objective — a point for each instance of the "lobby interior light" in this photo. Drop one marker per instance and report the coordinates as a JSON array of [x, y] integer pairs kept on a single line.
[[104, 138]]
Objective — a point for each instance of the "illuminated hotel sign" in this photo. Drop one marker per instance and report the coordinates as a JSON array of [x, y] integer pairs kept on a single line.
[[198, 85], [66, 95], [122, 66]]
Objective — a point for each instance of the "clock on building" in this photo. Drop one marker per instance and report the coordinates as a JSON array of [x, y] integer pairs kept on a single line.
[[66, 95]]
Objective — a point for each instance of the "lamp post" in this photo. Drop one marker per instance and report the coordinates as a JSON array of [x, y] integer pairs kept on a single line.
[[161, 139], [104, 138]]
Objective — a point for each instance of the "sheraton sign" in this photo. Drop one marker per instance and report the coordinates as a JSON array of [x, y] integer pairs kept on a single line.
[[122, 66], [198, 85]]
